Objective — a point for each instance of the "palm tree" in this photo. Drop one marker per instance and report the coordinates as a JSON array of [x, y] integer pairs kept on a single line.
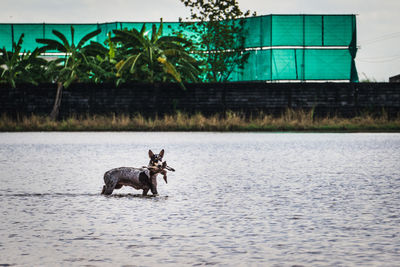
[[21, 66], [72, 67], [155, 58]]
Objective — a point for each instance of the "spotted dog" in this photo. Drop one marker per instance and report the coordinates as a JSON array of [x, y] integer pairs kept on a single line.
[[144, 178]]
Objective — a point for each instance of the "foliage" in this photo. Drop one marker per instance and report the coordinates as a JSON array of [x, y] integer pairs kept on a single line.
[[299, 120], [156, 58], [130, 55], [74, 65], [102, 63], [17, 66], [219, 23]]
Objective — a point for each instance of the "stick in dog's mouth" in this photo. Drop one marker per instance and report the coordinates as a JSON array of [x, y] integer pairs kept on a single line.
[[170, 168], [161, 170]]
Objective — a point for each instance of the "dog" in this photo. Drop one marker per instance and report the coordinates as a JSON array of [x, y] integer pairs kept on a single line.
[[144, 178]]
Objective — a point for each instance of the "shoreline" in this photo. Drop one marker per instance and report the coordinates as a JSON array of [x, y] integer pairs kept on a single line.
[[290, 121]]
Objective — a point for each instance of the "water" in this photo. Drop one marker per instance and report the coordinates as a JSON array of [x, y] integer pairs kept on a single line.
[[235, 199]]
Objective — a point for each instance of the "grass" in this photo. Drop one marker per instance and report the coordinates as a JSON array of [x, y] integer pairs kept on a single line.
[[289, 121]]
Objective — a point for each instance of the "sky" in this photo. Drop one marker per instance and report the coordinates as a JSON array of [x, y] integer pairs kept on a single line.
[[378, 21]]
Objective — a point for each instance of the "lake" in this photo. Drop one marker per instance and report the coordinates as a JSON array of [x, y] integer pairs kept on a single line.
[[236, 199]]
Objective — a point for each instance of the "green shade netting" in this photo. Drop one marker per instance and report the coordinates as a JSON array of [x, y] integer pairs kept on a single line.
[[283, 47]]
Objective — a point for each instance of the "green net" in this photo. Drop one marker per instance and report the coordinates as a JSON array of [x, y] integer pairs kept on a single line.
[[281, 47], [296, 64]]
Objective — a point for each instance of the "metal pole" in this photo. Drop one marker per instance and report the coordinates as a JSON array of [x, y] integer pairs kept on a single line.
[[304, 48], [270, 57], [12, 37]]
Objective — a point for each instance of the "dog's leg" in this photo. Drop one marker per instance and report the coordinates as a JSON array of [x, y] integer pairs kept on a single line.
[[110, 183], [154, 190], [145, 192], [108, 190]]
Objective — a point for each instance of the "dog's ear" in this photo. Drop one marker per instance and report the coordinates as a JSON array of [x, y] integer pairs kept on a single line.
[[161, 153], [151, 154]]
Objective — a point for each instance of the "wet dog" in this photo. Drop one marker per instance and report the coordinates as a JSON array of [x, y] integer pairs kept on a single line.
[[144, 178]]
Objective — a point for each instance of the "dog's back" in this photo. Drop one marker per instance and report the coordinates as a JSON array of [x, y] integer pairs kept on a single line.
[[137, 178]]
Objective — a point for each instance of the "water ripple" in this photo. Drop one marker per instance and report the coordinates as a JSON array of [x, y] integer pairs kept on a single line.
[[235, 199]]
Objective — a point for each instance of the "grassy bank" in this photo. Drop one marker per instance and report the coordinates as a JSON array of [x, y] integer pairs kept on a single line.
[[289, 121]]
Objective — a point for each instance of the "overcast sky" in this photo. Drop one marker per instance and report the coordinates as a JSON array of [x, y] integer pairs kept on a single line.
[[378, 21]]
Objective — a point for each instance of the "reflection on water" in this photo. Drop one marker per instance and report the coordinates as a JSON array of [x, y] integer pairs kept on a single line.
[[235, 199]]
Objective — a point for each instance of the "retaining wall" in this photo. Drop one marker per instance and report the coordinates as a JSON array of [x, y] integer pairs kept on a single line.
[[346, 99]]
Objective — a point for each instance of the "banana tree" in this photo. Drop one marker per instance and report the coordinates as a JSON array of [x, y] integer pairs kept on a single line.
[[156, 58], [102, 62], [74, 66], [21, 66]]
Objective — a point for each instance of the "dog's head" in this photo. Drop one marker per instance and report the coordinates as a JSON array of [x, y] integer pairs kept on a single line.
[[156, 159]]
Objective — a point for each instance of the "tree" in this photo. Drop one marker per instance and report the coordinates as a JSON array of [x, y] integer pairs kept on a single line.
[[72, 67], [21, 66], [218, 25], [102, 61], [155, 58]]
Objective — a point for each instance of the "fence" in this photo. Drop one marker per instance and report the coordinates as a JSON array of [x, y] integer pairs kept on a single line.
[[346, 99], [281, 47]]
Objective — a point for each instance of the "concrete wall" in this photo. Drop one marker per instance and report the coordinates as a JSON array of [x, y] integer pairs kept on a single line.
[[335, 98]]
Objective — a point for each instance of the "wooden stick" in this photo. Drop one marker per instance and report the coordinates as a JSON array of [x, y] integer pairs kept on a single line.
[[158, 169], [170, 168]]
